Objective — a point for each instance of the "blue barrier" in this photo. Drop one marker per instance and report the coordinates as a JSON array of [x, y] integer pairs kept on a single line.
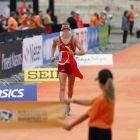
[[18, 93], [92, 37]]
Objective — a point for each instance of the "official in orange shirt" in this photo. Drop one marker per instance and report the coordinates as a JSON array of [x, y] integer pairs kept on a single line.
[[38, 21], [12, 21], [101, 113], [79, 20], [27, 19], [94, 19], [131, 19]]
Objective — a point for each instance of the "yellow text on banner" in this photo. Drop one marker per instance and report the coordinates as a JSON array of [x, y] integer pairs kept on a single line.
[[42, 75], [32, 115]]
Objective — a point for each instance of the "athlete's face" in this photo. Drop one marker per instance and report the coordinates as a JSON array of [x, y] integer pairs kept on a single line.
[[65, 26]]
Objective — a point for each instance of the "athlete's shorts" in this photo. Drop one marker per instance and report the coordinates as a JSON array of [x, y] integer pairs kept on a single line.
[[65, 69]]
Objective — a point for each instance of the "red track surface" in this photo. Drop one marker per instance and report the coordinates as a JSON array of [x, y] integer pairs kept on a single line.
[[126, 70]]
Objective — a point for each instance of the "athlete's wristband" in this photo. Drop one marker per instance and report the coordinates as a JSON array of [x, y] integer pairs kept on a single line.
[[74, 53]]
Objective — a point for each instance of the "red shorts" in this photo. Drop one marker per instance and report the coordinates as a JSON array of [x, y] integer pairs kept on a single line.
[[65, 69], [48, 30]]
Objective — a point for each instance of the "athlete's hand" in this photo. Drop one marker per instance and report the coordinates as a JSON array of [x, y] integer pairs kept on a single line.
[[53, 59], [68, 127]]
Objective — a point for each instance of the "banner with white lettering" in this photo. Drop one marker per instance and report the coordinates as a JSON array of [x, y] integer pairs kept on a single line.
[[18, 93], [32, 52], [92, 35], [94, 59], [82, 35], [10, 58]]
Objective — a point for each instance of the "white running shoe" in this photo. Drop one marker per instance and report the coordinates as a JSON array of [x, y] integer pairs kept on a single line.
[[69, 111]]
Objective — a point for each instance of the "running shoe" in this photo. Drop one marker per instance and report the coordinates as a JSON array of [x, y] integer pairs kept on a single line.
[[69, 111]]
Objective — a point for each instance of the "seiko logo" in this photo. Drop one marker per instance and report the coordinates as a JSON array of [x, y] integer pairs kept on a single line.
[[8, 93], [12, 61], [35, 53], [6, 114], [42, 74]]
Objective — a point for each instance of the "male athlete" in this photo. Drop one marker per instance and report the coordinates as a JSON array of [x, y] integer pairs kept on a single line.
[[64, 70]]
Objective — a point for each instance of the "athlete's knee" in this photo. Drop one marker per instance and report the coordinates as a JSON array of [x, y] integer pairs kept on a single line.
[[62, 88]]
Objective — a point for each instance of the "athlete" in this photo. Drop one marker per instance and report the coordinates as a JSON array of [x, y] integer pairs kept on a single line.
[[65, 70]]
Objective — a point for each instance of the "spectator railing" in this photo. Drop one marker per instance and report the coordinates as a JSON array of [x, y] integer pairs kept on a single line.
[[21, 34]]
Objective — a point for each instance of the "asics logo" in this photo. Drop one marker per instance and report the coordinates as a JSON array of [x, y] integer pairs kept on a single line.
[[7, 93]]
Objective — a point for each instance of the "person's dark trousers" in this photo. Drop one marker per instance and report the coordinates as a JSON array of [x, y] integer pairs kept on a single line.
[[131, 27], [109, 30], [99, 134], [125, 33]]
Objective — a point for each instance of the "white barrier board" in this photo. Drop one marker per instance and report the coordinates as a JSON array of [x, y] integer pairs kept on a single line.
[[94, 59]]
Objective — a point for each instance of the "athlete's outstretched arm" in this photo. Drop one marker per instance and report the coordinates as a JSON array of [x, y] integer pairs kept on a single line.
[[53, 49], [79, 120], [79, 46], [80, 102]]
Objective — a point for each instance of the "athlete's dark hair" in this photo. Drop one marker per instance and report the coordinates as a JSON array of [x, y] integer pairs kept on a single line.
[[48, 10], [72, 12], [13, 13]]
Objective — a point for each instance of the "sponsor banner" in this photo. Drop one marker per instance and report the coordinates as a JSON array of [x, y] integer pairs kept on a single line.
[[47, 46], [81, 33], [94, 59], [103, 35], [139, 134], [92, 37], [10, 59], [41, 75], [32, 115], [72, 32], [18, 93], [32, 52]]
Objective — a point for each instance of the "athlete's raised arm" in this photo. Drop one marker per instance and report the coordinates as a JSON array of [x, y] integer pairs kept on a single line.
[[79, 46], [54, 49]]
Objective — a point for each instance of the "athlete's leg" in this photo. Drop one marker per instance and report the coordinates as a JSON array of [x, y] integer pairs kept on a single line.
[[71, 80], [62, 79]]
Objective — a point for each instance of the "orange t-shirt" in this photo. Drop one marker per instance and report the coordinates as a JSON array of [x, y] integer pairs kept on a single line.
[[26, 21], [94, 21], [10, 21], [131, 13], [37, 23], [101, 113], [79, 22]]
